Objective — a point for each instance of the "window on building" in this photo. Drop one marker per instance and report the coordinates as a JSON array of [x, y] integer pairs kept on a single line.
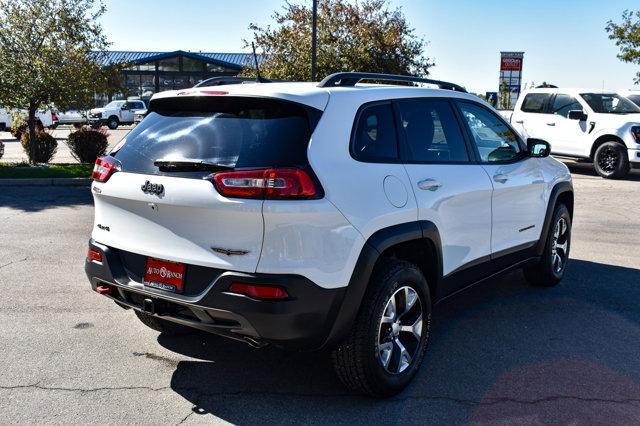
[[169, 64]]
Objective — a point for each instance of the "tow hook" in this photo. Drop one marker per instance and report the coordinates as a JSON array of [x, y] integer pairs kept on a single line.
[[148, 306]]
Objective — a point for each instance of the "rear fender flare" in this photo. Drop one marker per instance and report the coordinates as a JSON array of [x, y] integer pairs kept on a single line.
[[371, 251]]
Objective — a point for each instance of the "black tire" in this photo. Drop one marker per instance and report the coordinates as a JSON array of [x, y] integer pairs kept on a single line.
[[547, 272], [162, 325], [113, 123], [358, 361], [611, 160]]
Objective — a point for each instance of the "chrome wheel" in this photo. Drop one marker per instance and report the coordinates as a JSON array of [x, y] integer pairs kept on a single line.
[[560, 245], [400, 330]]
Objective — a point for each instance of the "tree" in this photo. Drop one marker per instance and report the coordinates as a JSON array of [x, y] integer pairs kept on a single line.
[[352, 36], [627, 37], [52, 52], [504, 97]]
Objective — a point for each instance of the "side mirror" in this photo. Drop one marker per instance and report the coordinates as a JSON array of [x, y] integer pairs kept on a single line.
[[577, 114], [538, 148]]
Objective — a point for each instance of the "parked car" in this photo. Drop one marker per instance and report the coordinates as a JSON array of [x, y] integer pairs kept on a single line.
[[323, 216], [115, 113], [583, 124], [72, 116], [5, 120]]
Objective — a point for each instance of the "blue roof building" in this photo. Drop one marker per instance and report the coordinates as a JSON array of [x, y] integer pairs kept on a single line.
[[147, 73]]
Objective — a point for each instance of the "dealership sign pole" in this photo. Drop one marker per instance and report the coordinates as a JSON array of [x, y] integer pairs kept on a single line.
[[511, 73]]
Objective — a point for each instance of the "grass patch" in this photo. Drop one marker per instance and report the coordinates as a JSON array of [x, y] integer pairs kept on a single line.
[[24, 171]]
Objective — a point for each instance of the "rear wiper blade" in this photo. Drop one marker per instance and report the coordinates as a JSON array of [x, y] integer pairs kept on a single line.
[[190, 165]]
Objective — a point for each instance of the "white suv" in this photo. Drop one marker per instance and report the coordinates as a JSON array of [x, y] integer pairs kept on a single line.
[[584, 124], [329, 215], [116, 113]]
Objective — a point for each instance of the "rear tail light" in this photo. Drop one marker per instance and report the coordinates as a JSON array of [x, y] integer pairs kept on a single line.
[[94, 254], [104, 168], [259, 291], [54, 116], [266, 183]]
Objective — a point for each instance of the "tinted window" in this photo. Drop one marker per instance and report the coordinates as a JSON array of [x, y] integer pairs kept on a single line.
[[375, 136], [432, 132], [610, 103], [494, 139], [562, 104], [535, 102], [238, 132]]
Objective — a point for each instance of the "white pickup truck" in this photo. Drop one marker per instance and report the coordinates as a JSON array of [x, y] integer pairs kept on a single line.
[[583, 124], [115, 113]]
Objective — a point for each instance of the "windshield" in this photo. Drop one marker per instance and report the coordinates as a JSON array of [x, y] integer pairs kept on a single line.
[[237, 133], [635, 99], [610, 103], [114, 104]]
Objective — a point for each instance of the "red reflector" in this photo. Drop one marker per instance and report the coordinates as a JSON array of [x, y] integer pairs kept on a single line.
[[257, 291], [104, 168], [103, 289], [265, 183], [93, 254]]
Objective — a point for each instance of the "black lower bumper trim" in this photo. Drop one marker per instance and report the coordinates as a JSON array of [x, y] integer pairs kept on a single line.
[[303, 321]]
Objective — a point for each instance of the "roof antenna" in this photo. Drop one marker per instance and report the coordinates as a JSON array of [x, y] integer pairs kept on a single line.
[[259, 79]]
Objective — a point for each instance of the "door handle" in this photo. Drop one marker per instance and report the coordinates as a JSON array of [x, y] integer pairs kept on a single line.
[[429, 185], [551, 123], [500, 178], [519, 121]]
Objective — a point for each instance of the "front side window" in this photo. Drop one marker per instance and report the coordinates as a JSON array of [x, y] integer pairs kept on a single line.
[[610, 103], [375, 135], [562, 104], [432, 132], [495, 141], [535, 102]]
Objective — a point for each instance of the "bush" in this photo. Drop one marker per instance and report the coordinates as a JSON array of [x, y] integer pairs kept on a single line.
[[19, 126], [46, 146], [88, 144]]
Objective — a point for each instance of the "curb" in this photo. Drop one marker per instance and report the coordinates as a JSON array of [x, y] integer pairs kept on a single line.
[[46, 182]]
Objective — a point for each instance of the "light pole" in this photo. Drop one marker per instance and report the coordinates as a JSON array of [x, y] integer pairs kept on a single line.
[[314, 39]]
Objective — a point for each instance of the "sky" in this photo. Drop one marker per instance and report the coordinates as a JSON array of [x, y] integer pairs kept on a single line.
[[564, 41]]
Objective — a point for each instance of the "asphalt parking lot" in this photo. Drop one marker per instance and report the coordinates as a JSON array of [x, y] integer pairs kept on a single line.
[[503, 352]]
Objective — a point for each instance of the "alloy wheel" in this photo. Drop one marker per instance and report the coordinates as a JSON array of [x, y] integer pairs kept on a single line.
[[608, 159], [400, 330], [560, 245]]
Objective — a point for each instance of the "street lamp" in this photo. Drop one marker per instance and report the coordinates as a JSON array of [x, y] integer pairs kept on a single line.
[[314, 39]]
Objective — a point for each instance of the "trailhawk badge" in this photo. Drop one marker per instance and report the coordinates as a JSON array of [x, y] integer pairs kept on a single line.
[[152, 188]]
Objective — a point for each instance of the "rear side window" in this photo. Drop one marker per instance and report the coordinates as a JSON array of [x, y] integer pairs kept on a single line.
[[535, 102], [235, 132], [635, 99], [375, 137], [432, 132]]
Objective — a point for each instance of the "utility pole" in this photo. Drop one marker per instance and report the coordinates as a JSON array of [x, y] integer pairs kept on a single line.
[[314, 39]]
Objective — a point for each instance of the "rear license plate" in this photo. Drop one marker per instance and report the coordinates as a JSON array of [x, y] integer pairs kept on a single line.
[[164, 275]]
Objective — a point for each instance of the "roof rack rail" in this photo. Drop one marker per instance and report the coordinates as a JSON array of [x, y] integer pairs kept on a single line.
[[342, 79], [223, 81]]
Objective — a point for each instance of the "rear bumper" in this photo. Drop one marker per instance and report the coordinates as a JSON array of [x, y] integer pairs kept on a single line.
[[303, 321]]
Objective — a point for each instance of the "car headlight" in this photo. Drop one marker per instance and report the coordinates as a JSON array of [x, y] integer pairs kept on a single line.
[[635, 131]]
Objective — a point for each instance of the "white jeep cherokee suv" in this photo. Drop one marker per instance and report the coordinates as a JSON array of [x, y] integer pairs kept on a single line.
[[583, 124], [331, 215]]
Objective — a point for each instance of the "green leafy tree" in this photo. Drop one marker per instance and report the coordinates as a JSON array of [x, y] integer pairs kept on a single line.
[[363, 36], [504, 97], [627, 37], [52, 52]]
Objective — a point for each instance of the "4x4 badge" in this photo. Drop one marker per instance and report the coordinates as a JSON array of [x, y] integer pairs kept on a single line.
[[152, 188]]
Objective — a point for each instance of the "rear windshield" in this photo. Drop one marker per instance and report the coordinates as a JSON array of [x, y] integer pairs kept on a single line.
[[235, 132]]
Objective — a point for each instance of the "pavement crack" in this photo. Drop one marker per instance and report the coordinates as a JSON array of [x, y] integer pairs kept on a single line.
[[12, 262], [83, 390]]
